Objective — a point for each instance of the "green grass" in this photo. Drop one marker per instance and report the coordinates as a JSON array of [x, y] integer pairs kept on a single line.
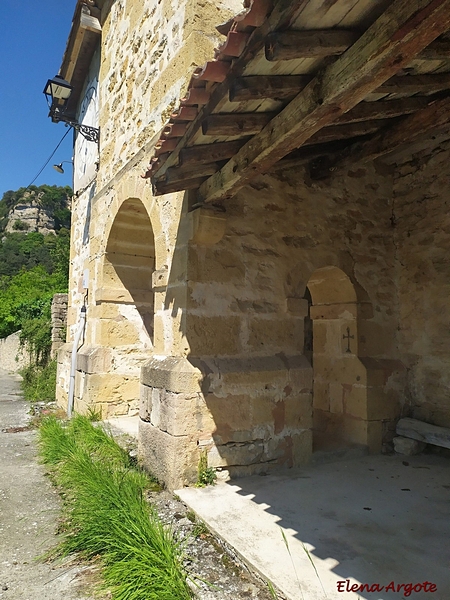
[[107, 514]]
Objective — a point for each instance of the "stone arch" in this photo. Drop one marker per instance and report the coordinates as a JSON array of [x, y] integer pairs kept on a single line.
[[126, 292], [339, 377]]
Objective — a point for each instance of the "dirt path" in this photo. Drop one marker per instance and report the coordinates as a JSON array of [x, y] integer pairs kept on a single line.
[[29, 508]]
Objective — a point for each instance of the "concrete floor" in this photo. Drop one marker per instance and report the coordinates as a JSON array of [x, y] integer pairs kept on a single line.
[[371, 520]]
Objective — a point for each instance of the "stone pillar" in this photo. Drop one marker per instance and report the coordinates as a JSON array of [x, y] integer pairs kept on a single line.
[[59, 322]]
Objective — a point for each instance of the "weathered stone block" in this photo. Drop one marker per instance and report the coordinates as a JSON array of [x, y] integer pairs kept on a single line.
[[266, 334], [208, 226], [297, 306], [160, 279], [145, 402], [236, 454], [172, 459], [94, 359], [174, 374], [210, 336], [407, 446]]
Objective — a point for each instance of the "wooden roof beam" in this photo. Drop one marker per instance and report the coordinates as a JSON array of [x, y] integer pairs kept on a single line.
[[210, 153], [388, 45], [349, 130], [290, 45], [261, 87], [406, 131], [415, 84], [437, 50], [382, 109], [286, 87]]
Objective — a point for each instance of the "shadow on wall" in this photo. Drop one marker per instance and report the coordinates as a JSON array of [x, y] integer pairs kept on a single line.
[[127, 269]]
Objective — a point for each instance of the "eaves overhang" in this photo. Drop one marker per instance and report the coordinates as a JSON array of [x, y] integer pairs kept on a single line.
[[303, 80], [83, 40]]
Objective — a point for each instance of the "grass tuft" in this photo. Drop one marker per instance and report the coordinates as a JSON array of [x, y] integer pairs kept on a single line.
[[107, 514]]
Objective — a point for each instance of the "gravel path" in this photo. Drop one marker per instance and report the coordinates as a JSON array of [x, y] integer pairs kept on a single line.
[[29, 509]]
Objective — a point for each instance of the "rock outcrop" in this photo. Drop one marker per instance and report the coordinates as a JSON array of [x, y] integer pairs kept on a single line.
[[29, 216]]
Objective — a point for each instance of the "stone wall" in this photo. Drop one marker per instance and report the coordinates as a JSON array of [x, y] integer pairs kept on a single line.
[[247, 382], [59, 322], [148, 52], [12, 356], [422, 219], [202, 313]]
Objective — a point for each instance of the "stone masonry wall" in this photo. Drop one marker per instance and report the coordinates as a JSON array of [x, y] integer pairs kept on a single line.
[[59, 322], [13, 357], [148, 53], [244, 324], [422, 234]]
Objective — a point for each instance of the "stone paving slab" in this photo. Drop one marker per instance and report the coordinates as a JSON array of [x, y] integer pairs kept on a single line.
[[371, 520]]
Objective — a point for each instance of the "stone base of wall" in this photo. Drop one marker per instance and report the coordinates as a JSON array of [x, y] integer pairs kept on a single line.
[[249, 415], [97, 387]]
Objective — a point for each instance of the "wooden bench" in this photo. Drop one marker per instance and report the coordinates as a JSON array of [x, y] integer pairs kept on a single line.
[[424, 432]]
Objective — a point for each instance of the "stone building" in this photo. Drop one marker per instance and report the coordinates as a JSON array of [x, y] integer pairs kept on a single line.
[[261, 239]]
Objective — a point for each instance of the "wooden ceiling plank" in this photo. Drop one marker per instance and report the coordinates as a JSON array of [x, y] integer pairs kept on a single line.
[[291, 45], [398, 35], [231, 124]]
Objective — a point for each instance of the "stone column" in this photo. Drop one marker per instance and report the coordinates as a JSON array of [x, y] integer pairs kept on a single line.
[[59, 322]]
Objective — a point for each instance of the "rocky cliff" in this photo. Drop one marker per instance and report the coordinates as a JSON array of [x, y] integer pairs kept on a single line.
[[45, 209], [29, 216]]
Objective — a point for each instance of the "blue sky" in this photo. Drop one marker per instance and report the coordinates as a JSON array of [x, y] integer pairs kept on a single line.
[[32, 42]]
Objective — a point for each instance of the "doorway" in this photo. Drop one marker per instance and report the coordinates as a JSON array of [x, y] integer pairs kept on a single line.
[[339, 379]]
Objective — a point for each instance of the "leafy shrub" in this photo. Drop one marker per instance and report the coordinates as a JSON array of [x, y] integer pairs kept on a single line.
[[39, 383], [20, 225]]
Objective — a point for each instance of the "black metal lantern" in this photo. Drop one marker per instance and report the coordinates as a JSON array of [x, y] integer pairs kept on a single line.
[[58, 91]]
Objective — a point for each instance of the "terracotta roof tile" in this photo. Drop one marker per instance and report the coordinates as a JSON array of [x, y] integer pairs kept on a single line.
[[205, 78]]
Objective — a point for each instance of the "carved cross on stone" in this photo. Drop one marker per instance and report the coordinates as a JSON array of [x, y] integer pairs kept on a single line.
[[348, 337]]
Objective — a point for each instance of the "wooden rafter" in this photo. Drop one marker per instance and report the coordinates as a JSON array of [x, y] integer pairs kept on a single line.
[[395, 38], [415, 84], [286, 87], [383, 109], [405, 131]]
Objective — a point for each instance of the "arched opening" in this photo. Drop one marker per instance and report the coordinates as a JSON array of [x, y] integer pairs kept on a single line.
[[339, 378], [126, 294]]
